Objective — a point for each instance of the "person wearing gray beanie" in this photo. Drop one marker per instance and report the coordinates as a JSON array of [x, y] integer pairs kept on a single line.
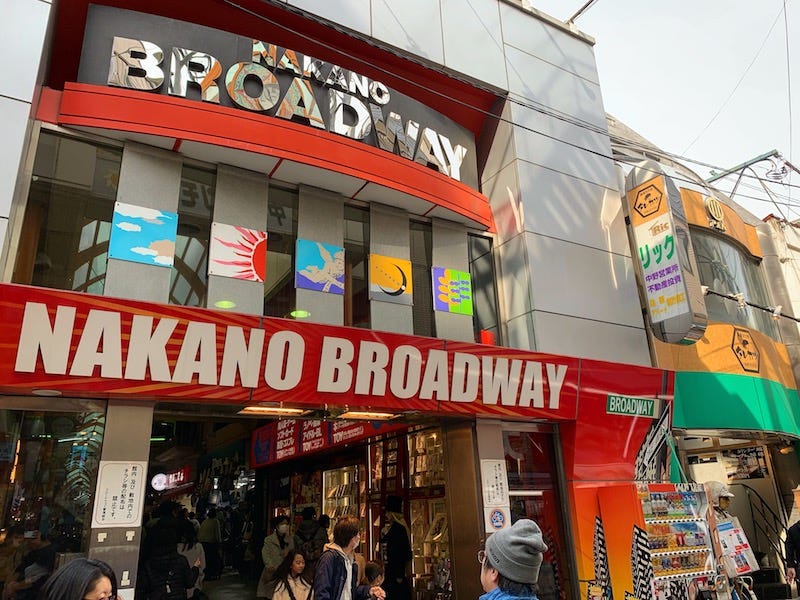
[[511, 561]]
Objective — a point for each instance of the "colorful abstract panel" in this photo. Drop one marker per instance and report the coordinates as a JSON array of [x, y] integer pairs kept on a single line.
[[452, 291], [237, 252], [143, 235], [319, 267], [390, 279]]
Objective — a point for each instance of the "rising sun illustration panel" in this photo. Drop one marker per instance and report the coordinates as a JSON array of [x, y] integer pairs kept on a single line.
[[237, 252]]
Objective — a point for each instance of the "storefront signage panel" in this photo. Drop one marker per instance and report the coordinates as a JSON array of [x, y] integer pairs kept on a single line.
[[94, 346], [265, 441], [119, 497], [664, 255], [158, 55]]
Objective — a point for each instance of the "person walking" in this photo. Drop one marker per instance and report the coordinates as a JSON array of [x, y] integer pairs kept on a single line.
[[289, 579], [276, 547], [336, 577], [395, 544], [210, 536], [792, 546], [166, 574], [510, 562], [81, 579], [189, 547], [310, 538]]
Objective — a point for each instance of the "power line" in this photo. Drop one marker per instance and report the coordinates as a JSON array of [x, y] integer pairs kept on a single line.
[[527, 103], [738, 83]]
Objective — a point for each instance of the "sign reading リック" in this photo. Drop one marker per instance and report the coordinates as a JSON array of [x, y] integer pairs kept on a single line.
[[120, 493]]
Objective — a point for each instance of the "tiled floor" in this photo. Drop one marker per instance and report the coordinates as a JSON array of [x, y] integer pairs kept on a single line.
[[230, 586]]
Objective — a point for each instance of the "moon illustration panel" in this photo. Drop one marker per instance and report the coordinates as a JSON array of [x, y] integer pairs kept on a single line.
[[237, 252], [390, 279]]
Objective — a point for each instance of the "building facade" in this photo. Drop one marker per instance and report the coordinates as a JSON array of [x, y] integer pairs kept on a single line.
[[310, 210]]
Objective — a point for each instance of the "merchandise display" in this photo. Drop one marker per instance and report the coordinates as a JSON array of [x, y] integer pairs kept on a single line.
[[343, 492]]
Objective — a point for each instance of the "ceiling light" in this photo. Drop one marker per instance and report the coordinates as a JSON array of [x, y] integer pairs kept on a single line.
[[299, 314], [276, 411], [51, 393], [225, 304], [358, 415]]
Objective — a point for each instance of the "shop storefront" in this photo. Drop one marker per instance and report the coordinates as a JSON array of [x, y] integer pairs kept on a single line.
[[475, 436]]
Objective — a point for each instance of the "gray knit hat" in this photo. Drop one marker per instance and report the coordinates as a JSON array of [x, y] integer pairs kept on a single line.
[[516, 551]]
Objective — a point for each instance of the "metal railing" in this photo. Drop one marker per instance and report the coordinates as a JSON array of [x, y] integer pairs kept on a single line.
[[768, 525]]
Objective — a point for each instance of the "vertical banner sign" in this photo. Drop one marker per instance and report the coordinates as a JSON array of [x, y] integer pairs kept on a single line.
[[496, 506], [119, 496], [664, 255], [286, 440]]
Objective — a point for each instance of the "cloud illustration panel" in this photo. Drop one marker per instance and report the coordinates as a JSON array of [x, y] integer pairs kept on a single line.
[[452, 291], [237, 252], [143, 235], [390, 279], [319, 267]]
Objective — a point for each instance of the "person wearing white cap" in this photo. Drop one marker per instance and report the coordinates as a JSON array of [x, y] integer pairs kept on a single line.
[[510, 563], [720, 498]]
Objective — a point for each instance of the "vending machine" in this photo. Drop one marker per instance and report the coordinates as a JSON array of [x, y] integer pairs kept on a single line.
[[658, 539]]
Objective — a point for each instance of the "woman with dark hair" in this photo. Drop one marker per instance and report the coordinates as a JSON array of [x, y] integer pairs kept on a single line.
[[81, 579], [189, 547], [289, 581], [275, 549]]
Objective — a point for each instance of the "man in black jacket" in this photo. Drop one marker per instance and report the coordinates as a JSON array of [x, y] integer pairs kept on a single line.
[[792, 552], [336, 577]]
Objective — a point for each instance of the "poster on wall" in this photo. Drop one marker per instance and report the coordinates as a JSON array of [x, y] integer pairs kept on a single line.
[[452, 291], [390, 279], [496, 507], [745, 463], [237, 252], [143, 235], [119, 494], [320, 267]]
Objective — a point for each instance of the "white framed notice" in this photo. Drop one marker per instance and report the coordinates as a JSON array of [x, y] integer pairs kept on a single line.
[[119, 495], [494, 479]]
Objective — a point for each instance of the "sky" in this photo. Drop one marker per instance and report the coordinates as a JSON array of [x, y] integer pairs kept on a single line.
[[668, 69]]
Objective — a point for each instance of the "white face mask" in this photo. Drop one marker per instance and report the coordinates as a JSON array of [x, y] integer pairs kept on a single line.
[[283, 528]]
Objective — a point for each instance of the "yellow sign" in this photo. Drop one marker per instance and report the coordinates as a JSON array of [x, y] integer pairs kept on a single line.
[[390, 279]]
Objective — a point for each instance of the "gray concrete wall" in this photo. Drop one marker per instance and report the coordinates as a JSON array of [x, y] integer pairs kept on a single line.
[[240, 199], [389, 236], [321, 218]]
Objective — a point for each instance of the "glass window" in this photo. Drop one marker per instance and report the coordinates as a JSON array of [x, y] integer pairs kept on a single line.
[[534, 494], [421, 263], [48, 470], [356, 249], [726, 269], [189, 278], [67, 221], [279, 291], [484, 292]]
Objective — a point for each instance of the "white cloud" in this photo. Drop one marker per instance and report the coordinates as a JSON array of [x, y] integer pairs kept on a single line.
[[144, 251], [125, 226], [138, 212], [163, 260]]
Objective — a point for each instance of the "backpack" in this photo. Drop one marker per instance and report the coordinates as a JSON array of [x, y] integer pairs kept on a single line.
[[166, 586], [311, 548]]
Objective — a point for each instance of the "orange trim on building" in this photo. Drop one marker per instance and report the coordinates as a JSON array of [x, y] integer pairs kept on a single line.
[[129, 110], [735, 227]]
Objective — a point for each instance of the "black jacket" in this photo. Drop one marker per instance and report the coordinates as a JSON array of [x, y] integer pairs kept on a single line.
[[331, 575], [167, 577], [793, 546]]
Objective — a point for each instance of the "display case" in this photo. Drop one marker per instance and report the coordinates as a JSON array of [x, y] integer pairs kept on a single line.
[[425, 458], [658, 525], [344, 492], [430, 544]]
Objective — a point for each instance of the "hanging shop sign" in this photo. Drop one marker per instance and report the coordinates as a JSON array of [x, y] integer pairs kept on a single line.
[[158, 55], [292, 438], [664, 255], [95, 346]]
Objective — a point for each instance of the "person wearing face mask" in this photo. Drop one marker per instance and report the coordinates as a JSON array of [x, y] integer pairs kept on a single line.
[[275, 549], [336, 577]]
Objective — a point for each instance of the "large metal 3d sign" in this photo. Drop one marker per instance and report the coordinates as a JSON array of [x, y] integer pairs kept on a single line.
[[279, 82]]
